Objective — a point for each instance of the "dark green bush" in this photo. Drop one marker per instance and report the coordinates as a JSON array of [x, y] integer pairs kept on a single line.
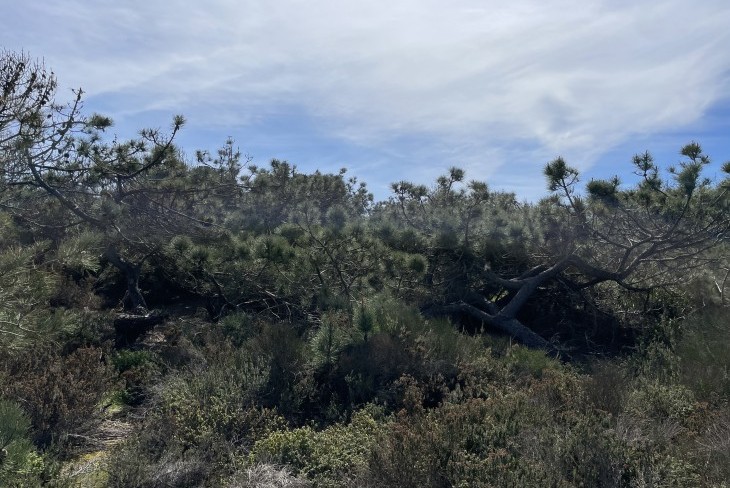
[[139, 370], [239, 327], [702, 351], [282, 355], [607, 386]]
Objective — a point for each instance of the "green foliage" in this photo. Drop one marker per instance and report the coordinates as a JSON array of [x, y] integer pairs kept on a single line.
[[239, 327], [126, 359], [528, 361], [280, 351], [25, 289], [291, 300], [217, 402], [541, 435], [560, 175], [330, 338], [280, 194], [139, 370], [9, 232], [417, 263], [365, 321], [448, 446], [604, 189], [660, 401], [80, 253], [20, 463], [607, 386], [198, 424], [149, 462], [15, 425], [330, 457], [701, 349]]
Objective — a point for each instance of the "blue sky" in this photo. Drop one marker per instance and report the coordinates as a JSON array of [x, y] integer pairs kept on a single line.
[[401, 89]]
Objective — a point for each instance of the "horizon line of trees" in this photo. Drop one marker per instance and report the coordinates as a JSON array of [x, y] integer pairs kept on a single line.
[[294, 245]]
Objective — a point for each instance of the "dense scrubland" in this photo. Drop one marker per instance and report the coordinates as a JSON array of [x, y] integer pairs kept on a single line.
[[167, 321]]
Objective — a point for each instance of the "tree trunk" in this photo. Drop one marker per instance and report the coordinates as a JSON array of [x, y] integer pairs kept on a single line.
[[133, 299], [506, 324], [522, 333]]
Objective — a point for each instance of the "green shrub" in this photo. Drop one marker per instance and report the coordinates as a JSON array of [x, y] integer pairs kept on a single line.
[[366, 370], [544, 433], [607, 386], [702, 351], [282, 354], [402, 342], [330, 457], [525, 361], [139, 370], [218, 402], [238, 327], [712, 448], [330, 338], [20, 463], [395, 317], [448, 446], [126, 359], [25, 288], [659, 401]]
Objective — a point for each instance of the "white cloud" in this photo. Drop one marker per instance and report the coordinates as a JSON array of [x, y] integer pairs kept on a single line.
[[566, 77]]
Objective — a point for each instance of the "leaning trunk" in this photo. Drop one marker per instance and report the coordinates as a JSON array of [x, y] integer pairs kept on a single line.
[[133, 299], [508, 325], [522, 333]]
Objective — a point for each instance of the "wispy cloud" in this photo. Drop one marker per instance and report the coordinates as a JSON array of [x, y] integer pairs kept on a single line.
[[480, 83]]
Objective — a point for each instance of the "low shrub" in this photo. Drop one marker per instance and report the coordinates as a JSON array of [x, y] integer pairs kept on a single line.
[[136, 464], [282, 354], [530, 362], [139, 370], [219, 402], [660, 401], [702, 351], [60, 394], [545, 433], [329, 458], [712, 448], [607, 386], [266, 476], [20, 464], [447, 446], [238, 327]]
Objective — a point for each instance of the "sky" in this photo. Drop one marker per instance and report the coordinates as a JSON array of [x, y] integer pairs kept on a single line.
[[401, 89]]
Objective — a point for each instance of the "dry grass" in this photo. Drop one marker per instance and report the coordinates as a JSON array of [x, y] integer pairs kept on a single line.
[[266, 476]]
